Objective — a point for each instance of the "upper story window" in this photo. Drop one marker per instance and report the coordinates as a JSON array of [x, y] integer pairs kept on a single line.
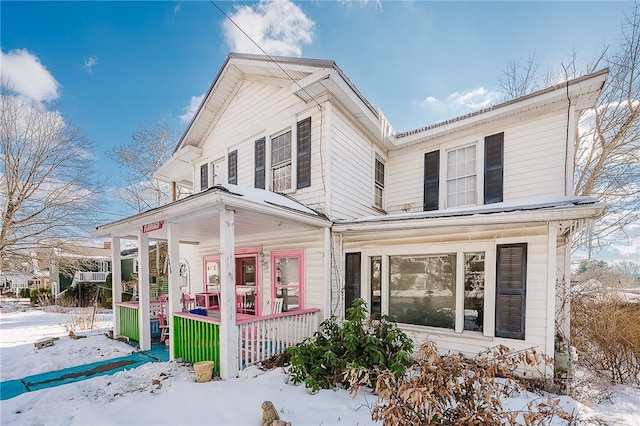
[[461, 176], [281, 162], [460, 170], [378, 190], [213, 173]]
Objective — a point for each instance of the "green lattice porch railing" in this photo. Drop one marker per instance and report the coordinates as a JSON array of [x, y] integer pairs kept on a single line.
[[128, 324], [196, 339]]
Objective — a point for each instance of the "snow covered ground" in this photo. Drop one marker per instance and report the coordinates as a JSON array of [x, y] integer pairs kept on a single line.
[[167, 394]]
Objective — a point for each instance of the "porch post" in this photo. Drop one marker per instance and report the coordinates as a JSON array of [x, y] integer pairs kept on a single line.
[[228, 329], [116, 281], [144, 316], [328, 279], [552, 264], [173, 241]]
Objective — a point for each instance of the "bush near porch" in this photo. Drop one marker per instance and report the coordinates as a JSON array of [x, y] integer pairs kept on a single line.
[[321, 361]]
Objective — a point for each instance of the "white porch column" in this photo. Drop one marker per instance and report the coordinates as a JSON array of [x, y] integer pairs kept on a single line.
[[144, 316], [116, 281], [228, 329], [552, 264], [328, 279], [173, 241]]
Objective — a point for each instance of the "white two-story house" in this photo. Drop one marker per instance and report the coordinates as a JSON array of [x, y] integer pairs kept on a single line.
[[304, 198]]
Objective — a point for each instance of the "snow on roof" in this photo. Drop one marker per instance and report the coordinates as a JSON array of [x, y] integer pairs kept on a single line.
[[546, 203], [262, 196]]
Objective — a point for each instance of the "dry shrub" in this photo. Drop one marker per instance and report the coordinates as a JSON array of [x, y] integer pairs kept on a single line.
[[605, 332], [79, 319], [455, 390]]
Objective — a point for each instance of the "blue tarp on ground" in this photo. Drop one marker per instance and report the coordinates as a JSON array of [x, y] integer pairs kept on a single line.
[[12, 388]]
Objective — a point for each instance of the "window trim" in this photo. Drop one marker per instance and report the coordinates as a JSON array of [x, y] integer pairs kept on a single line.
[[289, 162], [447, 181], [299, 253], [488, 247], [377, 185]]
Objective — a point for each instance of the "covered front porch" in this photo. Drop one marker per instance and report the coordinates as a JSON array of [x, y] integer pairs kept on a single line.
[[239, 290]]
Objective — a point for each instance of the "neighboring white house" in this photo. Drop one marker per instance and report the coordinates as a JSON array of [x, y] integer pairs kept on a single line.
[[302, 191]]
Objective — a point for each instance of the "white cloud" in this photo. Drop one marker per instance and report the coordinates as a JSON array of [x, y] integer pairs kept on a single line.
[[459, 103], [279, 27], [191, 109], [24, 73], [177, 8], [89, 63]]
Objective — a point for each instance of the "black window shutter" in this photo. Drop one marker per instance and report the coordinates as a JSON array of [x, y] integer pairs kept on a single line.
[[304, 153], [233, 167], [511, 277], [204, 177], [431, 180], [493, 168], [259, 174], [352, 279]]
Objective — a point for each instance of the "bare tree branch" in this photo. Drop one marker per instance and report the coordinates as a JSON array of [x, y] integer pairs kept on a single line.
[[48, 190]]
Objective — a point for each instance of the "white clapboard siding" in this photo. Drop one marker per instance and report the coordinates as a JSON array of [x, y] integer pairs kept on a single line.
[[420, 241], [260, 110], [311, 241], [352, 170], [534, 161]]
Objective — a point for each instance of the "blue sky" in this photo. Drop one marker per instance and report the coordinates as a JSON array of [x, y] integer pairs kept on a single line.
[[110, 66]]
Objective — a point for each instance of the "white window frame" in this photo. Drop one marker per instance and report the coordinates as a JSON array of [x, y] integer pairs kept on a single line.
[[476, 140], [377, 155], [489, 249], [291, 161]]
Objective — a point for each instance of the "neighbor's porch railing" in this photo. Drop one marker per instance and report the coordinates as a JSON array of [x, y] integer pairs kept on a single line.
[[90, 277], [263, 337]]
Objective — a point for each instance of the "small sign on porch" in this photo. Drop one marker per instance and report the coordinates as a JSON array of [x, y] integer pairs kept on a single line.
[[153, 226]]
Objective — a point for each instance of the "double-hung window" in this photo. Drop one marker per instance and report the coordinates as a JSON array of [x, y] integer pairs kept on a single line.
[[452, 178], [461, 176], [281, 162], [378, 187]]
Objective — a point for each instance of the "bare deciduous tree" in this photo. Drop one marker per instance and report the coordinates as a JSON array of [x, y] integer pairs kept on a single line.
[[607, 145], [148, 149], [48, 190]]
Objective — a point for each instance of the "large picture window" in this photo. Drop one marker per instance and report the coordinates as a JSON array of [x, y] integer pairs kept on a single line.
[[422, 290], [287, 278]]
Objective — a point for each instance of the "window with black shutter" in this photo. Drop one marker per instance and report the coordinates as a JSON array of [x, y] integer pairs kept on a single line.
[[352, 279], [233, 167], [304, 153], [431, 180], [259, 178], [511, 277], [204, 177], [493, 168]]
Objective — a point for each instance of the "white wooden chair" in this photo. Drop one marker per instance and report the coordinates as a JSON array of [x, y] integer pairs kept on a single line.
[[276, 307]]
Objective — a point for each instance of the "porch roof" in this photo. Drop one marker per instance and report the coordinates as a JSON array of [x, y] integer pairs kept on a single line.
[[539, 210], [197, 215]]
